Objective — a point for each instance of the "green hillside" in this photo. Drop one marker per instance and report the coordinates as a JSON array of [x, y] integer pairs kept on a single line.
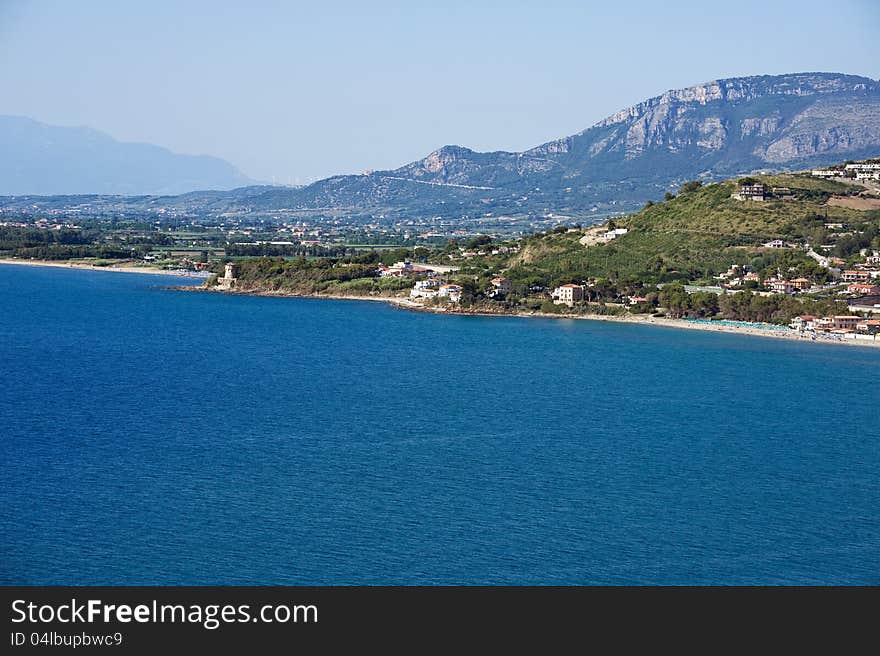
[[701, 232]]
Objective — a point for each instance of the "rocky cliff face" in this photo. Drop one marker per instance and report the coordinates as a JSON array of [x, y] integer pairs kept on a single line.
[[744, 121]]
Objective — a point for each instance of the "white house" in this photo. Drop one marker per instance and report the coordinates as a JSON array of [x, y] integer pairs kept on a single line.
[[452, 292], [568, 294], [425, 288], [614, 234]]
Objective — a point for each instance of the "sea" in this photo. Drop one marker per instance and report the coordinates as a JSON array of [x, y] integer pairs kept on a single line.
[[154, 436]]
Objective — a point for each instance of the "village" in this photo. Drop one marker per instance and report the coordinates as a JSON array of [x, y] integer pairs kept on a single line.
[[858, 286]]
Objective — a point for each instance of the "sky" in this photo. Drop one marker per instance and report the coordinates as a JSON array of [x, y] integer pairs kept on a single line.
[[296, 91]]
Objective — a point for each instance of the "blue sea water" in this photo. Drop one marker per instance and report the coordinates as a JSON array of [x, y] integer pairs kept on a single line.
[[150, 436]]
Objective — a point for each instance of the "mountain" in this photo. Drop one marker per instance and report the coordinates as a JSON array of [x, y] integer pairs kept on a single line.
[[708, 131], [42, 159]]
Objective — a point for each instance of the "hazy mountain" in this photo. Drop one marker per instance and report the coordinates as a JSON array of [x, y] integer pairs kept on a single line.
[[42, 159]]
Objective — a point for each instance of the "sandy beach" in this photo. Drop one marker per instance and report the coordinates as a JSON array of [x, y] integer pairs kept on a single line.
[[124, 268]]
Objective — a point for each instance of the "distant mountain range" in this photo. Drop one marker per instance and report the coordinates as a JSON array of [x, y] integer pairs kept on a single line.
[[41, 159], [709, 131]]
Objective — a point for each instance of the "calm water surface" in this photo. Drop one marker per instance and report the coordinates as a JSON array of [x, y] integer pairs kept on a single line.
[[151, 436]]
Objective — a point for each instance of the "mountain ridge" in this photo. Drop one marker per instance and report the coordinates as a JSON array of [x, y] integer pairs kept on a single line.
[[708, 131]]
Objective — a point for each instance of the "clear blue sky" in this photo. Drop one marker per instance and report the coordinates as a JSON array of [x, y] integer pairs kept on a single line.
[[302, 90]]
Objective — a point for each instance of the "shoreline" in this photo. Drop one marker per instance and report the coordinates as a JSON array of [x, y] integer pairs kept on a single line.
[[643, 320], [405, 303], [85, 266]]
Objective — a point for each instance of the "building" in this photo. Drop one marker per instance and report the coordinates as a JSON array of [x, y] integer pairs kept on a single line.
[[868, 175], [776, 243], [501, 286], [750, 192], [568, 294], [855, 276], [862, 167], [804, 322], [230, 276], [399, 269], [425, 288], [870, 326], [863, 288], [452, 292], [846, 322], [780, 286], [827, 173], [614, 234], [865, 304], [801, 284]]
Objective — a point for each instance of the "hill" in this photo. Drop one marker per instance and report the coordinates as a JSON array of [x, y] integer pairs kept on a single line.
[[702, 231], [40, 159]]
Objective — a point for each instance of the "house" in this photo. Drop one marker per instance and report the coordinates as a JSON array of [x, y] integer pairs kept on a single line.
[[614, 234], [425, 288], [568, 294], [845, 322], [776, 243], [750, 192], [862, 167], [751, 277], [870, 326], [804, 322], [827, 173], [780, 286], [864, 289], [868, 175], [801, 284], [501, 286], [855, 276], [452, 292]]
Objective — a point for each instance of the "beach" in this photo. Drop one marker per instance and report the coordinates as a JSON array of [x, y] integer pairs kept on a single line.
[[125, 268]]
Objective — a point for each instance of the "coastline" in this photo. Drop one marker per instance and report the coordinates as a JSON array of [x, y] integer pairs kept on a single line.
[[644, 320], [405, 303], [66, 264]]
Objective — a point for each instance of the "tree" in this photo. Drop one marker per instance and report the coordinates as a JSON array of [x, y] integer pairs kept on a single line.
[[476, 242], [689, 187]]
